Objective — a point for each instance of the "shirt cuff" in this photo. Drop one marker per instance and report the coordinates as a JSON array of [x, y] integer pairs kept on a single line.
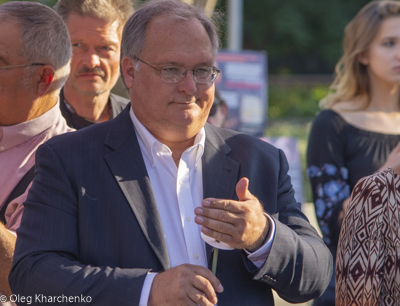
[[148, 282], [12, 233], [260, 256]]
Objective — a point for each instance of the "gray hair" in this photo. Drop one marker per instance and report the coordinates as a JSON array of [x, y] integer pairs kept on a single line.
[[134, 33], [44, 37], [109, 10]]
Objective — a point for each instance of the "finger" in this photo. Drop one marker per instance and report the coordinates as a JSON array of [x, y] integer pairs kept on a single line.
[[204, 292], [209, 276], [223, 237], [216, 214], [198, 299], [228, 205], [242, 190], [216, 225]]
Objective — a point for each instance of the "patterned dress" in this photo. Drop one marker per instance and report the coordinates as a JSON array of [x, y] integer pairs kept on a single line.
[[368, 258], [338, 155]]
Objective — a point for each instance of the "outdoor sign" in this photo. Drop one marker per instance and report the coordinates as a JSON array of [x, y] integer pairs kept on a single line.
[[289, 145], [243, 85]]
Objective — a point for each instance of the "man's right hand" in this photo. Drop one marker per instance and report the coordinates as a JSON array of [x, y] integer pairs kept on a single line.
[[185, 285]]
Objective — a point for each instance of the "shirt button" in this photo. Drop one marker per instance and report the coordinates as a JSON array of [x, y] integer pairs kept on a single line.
[[2, 148], [188, 218], [180, 182], [196, 256], [255, 259]]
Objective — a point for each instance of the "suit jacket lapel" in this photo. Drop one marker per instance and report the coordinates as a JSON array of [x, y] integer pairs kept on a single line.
[[220, 173], [127, 165]]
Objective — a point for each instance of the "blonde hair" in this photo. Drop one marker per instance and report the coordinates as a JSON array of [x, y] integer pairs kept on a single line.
[[351, 76]]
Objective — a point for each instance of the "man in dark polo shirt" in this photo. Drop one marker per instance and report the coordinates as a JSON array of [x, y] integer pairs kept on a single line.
[[95, 28]]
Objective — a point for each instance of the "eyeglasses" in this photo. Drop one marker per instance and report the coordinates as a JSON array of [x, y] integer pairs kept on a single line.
[[175, 74], [24, 65]]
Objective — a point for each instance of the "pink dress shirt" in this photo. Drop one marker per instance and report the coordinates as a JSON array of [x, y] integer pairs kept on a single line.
[[18, 144]]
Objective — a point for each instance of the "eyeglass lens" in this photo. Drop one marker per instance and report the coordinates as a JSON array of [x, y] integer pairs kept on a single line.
[[175, 74]]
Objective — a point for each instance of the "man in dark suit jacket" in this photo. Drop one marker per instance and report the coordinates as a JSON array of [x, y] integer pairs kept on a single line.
[[95, 29], [115, 212]]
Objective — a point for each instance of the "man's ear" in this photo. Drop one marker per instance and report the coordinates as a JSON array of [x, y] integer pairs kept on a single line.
[[128, 71], [46, 76], [363, 58]]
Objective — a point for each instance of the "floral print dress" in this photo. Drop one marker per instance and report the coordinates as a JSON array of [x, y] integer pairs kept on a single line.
[[338, 155]]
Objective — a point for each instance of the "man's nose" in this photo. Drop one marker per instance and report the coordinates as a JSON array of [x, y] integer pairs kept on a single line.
[[91, 59], [188, 84]]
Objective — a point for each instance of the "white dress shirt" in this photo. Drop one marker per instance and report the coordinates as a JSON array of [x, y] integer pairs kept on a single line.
[[178, 191]]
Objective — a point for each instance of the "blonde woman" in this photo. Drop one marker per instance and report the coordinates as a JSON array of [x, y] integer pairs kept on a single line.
[[358, 131]]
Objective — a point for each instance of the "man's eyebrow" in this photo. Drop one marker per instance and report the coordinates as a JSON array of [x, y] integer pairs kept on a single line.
[[109, 41]]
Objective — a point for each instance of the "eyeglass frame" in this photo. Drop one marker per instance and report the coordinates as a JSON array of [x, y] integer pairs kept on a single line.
[[23, 65], [216, 71]]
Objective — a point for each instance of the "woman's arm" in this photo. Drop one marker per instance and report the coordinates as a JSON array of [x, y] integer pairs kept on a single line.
[[328, 173]]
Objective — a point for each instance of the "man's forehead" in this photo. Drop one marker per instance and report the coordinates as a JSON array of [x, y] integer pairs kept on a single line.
[[81, 26], [8, 22], [10, 34], [165, 30], [79, 18]]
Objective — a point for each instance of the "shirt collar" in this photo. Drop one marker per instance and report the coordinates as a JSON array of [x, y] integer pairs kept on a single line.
[[13, 135], [151, 147]]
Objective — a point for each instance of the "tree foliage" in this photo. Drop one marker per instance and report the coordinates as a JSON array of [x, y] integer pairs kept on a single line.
[[300, 36]]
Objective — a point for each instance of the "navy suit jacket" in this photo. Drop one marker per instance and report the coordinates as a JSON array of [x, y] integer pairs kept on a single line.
[[91, 224]]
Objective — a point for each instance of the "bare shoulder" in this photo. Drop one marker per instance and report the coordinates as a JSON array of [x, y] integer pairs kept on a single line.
[[369, 120], [349, 106]]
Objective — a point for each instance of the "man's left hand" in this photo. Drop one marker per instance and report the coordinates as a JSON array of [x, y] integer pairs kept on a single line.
[[241, 224]]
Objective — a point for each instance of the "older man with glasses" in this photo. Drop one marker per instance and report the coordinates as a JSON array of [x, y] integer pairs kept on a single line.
[[120, 219], [35, 53]]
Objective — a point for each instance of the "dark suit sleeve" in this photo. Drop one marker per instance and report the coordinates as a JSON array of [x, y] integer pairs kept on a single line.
[[299, 265], [46, 254]]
